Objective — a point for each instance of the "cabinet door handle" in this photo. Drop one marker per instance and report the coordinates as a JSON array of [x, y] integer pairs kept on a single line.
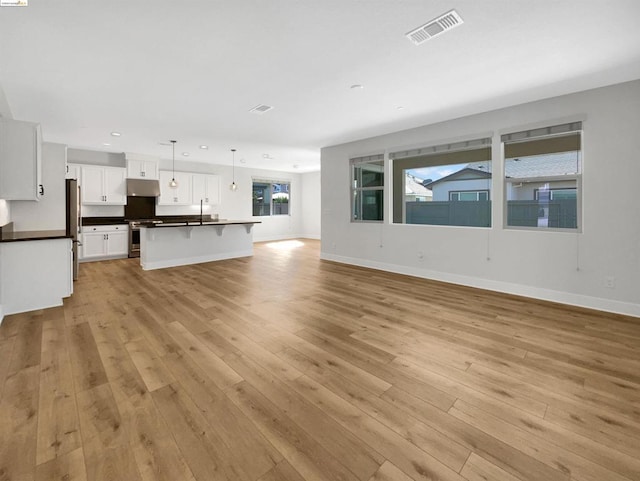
[[41, 189]]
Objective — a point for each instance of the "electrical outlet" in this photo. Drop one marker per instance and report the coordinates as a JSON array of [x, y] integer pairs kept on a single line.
[[420, 255], [610, 282]]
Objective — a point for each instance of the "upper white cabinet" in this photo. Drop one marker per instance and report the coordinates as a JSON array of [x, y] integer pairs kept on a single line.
[[20, 160], [74, 171], [103, 185], [141, 168], [205, 188], [180, 195]]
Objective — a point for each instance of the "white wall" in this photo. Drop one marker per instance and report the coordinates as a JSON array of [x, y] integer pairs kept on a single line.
[[311, 205], [5, 214], [49, 213], [566, 267]]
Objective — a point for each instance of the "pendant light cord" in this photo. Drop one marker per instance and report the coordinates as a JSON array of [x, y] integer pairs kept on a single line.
[[173, 162], [233, 161]]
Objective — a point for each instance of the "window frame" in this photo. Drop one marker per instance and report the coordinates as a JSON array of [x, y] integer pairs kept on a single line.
[[354, 190], [477, 192], [551, 191], [462, 150], [271, 183], [554, 131]]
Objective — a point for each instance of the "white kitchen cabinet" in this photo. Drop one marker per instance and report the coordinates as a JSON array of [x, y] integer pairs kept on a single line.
[[180, 195], [74, 171], [205, 188], [103, 185], [104, 241], [20, 160], [142, 169]]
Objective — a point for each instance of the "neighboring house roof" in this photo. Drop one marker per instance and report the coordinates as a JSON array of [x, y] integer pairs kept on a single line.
[[532, 166], [413, 186], [542, 165], [468, 173]]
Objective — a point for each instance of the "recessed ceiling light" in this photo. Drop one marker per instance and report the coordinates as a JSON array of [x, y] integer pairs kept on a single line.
[[204, 147], [106, 143], [400, 107], [186, 154], [356, 87], [116, 134]]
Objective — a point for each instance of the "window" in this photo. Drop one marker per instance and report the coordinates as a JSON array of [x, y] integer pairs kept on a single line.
[[472, 195], [367, 188], [447, 184], [557, 194], [270, 198], [542, 177]]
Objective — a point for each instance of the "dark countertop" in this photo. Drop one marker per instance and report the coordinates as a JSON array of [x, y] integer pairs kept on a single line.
[[195, 223], [121, 220], [103, 220], [7, 234]]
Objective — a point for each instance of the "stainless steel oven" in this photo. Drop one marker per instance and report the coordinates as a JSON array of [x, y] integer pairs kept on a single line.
[[134, 234], [134, 239]]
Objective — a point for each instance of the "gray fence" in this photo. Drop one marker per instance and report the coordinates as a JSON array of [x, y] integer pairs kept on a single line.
[[561, 214], [470, 214], [279, 208]]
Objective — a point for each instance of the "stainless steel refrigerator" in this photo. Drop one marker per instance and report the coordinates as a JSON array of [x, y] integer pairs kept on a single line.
[[73, 219]]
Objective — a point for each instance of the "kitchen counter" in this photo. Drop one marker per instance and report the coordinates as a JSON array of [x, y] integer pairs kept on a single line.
[[191, 242], [191, 223], [103, 221], [7, 234], [36, 273]]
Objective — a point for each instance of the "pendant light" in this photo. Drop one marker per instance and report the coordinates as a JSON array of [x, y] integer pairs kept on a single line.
[[233, 185], [173, 184]]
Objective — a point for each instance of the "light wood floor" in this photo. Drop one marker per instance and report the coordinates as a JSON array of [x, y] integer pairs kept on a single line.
[[281, 367]]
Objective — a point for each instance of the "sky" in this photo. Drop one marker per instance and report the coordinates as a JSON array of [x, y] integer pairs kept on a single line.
[[438, 172]]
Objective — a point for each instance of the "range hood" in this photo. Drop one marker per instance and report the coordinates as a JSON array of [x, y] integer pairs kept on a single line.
[[143, 188]]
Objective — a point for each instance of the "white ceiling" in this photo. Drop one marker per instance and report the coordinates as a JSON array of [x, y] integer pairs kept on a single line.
[[191, 70]]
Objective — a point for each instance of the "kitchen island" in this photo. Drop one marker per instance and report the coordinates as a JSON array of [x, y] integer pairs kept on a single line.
[[192, 242]]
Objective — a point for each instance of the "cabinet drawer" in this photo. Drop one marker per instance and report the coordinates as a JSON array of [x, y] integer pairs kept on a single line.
[[105, 228]]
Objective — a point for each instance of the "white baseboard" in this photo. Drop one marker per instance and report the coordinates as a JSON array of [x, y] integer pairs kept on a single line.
[[18, 308], [598, 303], [285, 237], [147, 266], [274, 238], [105, 258]]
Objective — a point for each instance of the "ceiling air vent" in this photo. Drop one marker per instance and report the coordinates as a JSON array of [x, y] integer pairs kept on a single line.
[[261, 109], [435, 27]]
